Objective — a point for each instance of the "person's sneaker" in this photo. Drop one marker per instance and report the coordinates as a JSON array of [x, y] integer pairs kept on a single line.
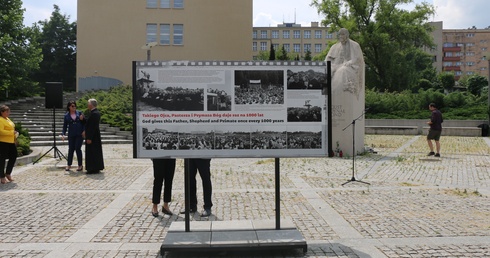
[[431, 153], [206, 213], [437, 155]]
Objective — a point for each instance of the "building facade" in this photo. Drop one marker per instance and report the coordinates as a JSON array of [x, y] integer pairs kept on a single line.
[[466, 51], [113, 33], [297, 40]]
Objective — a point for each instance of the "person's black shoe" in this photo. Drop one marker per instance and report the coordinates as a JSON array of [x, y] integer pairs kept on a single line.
[[437, 155], [206, 213], [192, 210], [431, 153], [167, 212], [91, 172]]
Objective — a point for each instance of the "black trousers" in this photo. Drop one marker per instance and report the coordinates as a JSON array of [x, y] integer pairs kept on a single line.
[[7, 151], [203, 166], [163, 170]]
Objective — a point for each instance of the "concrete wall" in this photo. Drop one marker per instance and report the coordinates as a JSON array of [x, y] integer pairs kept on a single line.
[[419, 126]]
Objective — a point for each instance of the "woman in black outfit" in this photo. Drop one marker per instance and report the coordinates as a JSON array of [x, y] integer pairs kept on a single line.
[[163, 169]]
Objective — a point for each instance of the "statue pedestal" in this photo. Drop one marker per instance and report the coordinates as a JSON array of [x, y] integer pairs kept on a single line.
[[345, 108]]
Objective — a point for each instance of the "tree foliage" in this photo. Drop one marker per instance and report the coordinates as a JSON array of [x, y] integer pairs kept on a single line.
[[19, 54], [57, 38], [391, 38], [476, 83]]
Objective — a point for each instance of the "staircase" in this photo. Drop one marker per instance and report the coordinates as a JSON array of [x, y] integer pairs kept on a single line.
[[33, 116]]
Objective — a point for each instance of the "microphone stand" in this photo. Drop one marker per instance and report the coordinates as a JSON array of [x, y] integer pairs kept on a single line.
[[353, 179]]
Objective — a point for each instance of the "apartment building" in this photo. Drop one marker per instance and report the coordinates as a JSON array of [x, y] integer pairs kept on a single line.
[[295, 38], [113, 33], [466, 51]]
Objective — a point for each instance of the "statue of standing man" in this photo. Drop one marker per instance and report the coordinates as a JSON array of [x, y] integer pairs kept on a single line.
[[347, 64]]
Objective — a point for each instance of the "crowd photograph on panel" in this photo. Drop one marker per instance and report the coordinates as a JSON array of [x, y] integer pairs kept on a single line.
[[259, 87]]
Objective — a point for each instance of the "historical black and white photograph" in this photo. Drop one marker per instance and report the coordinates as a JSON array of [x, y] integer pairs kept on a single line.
[[305, 110], [259, 87], [232, 140], [268, 139], [305, 80], [301, 139], [218, 99], [161, 139], [151, 97]]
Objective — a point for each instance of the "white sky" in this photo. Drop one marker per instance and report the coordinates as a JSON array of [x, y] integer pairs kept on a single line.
[[455, 14]]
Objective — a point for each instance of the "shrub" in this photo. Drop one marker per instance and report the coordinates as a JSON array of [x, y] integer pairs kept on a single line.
[[24, 140]]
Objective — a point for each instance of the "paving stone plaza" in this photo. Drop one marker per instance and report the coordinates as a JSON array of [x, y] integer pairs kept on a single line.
[[415, 206]]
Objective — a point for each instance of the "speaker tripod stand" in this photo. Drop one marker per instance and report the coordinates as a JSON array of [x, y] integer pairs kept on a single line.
[[57, 152], [353, 179]]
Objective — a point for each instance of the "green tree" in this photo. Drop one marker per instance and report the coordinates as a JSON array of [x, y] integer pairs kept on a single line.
[[282, 54], [19, 54], [447, 80], [390, 37], [272, 53], [476, 84], [58, 42], [308, 55]]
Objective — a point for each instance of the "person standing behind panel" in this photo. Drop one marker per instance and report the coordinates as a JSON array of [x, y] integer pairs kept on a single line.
[[94, 160], [163, 170]]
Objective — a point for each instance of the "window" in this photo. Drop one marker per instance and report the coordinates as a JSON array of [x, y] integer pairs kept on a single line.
[[307, 34], [254, 34], [470, 53], [263, 46], [318, 48], [307, 47], [458, 73], [254, 46], [297, 48], [151, 4], [285, 34], [178, 34], [165, 4], [470, 44], [470, 35], [459, 63], [263, 34], [470, 63], [483, 49], [164, 34], [276, 46], [329, 36], [448, 54], [449, 44], [318, 34], [275, 34], [178, 3], [287, 48], [151, 33], [470, 73], [297, 34], [447, 64]]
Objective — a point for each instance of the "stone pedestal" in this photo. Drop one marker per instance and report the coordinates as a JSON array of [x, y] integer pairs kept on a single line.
[[346, 107]]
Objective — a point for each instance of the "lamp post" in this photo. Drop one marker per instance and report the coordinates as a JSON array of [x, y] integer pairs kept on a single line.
[[148, 47]]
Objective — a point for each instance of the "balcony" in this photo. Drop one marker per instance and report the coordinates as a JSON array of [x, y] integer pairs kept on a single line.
[[451, 58], [451, 49], [452, 68]]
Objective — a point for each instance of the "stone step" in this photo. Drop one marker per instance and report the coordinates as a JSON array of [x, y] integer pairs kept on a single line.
[[50, 143], [38, 120]]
